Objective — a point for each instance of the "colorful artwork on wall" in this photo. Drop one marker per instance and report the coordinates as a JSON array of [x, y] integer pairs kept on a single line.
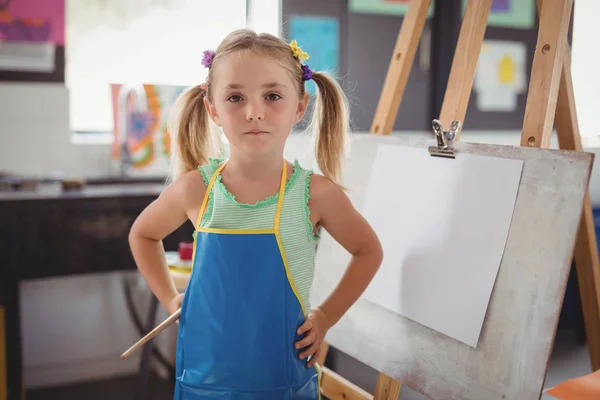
[[504, 13], [501, 75], [140, 114], [387, 7], [40, 21], [510, 13], [319, 37]]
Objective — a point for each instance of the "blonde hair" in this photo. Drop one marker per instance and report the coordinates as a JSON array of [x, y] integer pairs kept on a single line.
[[195, 142]]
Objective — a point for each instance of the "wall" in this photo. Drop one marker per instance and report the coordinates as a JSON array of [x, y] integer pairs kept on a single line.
[[362, 65], [34, 133]]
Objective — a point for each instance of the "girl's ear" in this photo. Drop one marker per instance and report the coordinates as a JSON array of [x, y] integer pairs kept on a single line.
[[301, 109], [212, 112]]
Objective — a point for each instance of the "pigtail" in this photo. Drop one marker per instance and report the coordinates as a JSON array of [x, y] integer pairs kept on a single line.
[[194, 143], [330, 126]]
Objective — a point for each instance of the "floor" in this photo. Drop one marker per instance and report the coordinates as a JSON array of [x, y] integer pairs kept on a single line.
[[569, 359]]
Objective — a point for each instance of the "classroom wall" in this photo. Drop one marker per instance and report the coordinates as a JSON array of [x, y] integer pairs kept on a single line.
[[363, 65], [35, 136]]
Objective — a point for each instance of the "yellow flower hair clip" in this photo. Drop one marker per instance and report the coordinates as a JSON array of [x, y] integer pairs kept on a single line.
[[298, 53]]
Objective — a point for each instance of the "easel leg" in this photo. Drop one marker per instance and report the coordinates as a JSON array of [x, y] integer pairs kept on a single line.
[[586, 249], [464, 63], [586, 262], [386, 388], [400, 65], [551, 85], [546, 70]]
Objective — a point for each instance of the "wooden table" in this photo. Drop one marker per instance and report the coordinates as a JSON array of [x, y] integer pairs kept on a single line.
[[49, 233]]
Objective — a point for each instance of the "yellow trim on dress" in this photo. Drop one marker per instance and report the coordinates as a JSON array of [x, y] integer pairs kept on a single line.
[[236, 231]]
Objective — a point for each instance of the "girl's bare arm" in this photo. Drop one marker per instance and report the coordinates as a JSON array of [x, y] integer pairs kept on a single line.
[[179, 202], [348, 227]]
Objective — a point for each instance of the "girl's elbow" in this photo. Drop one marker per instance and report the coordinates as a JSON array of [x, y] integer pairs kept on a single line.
[[134, 233], [377, 255]]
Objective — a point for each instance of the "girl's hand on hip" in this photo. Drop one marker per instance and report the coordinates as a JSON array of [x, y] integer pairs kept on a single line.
[[315, 327], [175, 304]]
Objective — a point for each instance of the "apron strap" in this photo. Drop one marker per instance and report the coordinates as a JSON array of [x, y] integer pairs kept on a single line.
[[206, 195], [281, 193], [279, 203]]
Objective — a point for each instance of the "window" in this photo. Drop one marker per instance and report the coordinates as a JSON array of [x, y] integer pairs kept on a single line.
[[135, 42]]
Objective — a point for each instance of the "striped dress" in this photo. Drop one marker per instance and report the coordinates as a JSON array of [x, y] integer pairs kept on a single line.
[[299, 241]]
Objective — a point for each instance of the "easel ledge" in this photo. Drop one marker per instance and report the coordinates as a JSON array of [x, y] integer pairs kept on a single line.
[[550, 101]]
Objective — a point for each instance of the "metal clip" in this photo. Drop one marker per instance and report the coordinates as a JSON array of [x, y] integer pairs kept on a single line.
[[445, 139]]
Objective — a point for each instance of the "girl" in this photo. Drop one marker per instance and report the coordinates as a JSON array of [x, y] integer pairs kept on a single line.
[[247, 329]]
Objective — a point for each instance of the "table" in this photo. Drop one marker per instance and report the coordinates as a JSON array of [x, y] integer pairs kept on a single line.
[[51, 233]]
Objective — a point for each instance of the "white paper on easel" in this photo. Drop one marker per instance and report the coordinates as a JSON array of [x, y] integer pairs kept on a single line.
[[443, 224]]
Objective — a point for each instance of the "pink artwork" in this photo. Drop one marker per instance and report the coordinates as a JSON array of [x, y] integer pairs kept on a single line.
[[33, 21], [500, 6]]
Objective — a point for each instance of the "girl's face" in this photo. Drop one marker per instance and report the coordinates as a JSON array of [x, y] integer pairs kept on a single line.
[[255, 102]]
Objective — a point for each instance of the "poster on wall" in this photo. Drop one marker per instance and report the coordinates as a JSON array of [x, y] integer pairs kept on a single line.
[[501, 75], [318, 36], [386, 7], [30, 31], [140, 116], [510, 13], [37, 21]]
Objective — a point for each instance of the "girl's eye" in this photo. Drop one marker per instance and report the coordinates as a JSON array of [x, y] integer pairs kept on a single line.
[[235, 98], [273, 96]]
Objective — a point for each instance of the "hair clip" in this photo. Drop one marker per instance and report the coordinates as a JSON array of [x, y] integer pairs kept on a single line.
[[301, 55], [306, 72], [298, 53], [207, 58]]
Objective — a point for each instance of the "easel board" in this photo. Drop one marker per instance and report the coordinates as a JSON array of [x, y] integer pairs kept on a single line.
[[443, 230], [511, 356]]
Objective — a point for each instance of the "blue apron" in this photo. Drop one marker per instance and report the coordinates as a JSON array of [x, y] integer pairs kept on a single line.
[[239, 318]]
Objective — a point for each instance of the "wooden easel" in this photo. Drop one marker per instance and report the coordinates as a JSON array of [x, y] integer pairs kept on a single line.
[[550, 101]]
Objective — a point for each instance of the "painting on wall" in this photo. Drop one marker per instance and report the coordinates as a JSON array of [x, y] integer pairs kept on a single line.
[[38, 21], [518, 14], [318, 36], [501, 75], [386, 7], [36, 26], [140, 115]]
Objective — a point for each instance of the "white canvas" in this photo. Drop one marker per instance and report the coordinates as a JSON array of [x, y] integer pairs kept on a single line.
[[443, 224]]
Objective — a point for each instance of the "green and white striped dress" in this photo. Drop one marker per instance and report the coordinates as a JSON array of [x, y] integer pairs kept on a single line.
[[299, 242]]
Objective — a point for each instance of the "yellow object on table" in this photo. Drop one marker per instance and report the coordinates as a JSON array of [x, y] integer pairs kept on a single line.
[[180, 270]]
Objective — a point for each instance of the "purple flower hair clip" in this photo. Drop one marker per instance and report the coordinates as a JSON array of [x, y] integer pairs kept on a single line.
[[207, 58], [306, 72]]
